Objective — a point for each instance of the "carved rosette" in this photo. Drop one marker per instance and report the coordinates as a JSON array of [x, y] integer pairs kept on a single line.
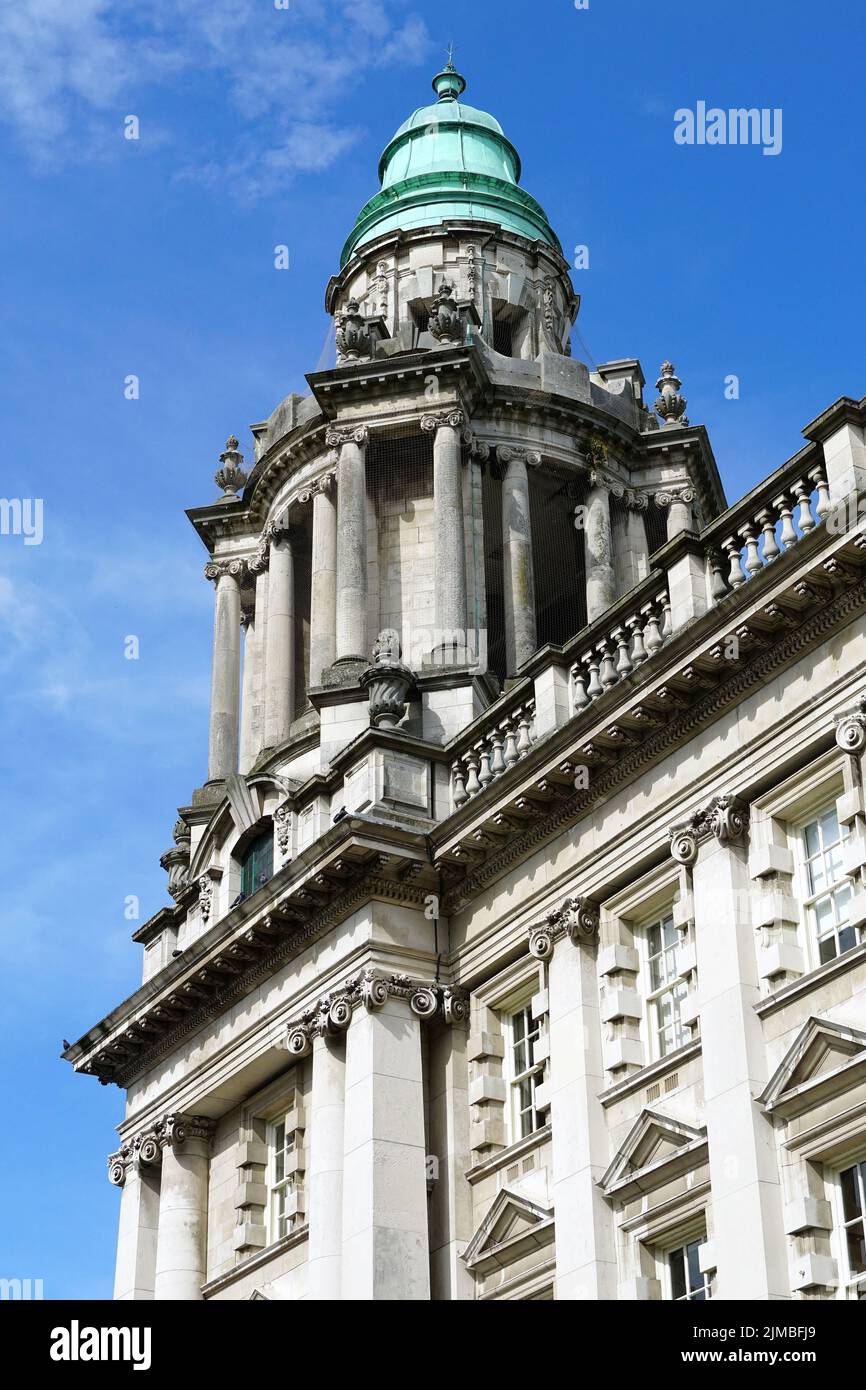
[[725, 817], [352, 334], [851, 729], [230, 476], [387, 681], [454, 419], [670, 405], [444, 321], [577, 918]]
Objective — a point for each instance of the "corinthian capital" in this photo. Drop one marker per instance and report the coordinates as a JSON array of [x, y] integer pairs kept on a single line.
[[176, 1128], [337, 435], [454, 419]]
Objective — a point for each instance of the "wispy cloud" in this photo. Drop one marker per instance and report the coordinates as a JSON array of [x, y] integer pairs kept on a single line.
[[73, 69]]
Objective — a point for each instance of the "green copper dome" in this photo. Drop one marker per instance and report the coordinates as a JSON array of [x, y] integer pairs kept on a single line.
[[449, 160]]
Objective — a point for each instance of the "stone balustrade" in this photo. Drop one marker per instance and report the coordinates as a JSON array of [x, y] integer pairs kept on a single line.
[[494, 752], [613, 656]]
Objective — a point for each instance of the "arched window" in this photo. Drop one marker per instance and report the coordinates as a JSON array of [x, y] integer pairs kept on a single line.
[[257, 863]]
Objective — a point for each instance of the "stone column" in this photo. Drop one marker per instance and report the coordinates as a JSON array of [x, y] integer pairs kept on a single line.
[[324, 1175], [749, 1239], [519, 580], [280, 659], [385, 1243], [258, 694], [448, 521], [247, 747], [135, 1269], [598, 548], [225, 670], [678, 504], [181, 1248], [450, 1204], [323, 589], [585, 1249], [351, 542]]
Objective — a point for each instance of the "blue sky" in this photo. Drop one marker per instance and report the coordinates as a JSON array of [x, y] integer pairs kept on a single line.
[[261, 126]]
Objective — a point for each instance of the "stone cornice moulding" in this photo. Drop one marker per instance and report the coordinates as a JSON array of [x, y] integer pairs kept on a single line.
[[577, 919]]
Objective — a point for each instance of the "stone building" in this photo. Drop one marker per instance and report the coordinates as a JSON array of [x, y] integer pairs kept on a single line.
[[516, 939]]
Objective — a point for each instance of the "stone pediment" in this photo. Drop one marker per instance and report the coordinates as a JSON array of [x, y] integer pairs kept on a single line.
[[825, 1059], [656, 1150], [513, 1227]]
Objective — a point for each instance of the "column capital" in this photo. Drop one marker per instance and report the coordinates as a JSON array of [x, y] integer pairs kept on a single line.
[[516, 453], [477, 447], [176, 1128], [332, 1013], [851, 728], [577, 918], [338, 435], [324, 486], [119, 1164], [668, 496], [726, 818], [453, 419], [219, 569]]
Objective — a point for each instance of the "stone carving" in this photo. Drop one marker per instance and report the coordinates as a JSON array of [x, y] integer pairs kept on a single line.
[[332, 1014], [668, 497], [147, 1146], [175, 861], [670, 405], [176, 1128], [388, 682], [231, 476], [336, 436], [219, 569], [508, 453], [283, 823], [851, 729], [550, 319], [577, 918], [118, 1164], [381, 287], [477, 447], [205, 896], [455, 419], [374, 990], [352, 334], [444, 321], [726, 817]]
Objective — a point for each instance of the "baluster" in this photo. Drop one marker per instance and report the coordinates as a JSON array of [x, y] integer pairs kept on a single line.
[[531, 730], [524, 742], [473, 786], [651, 635], [787, 535], [639, 652], [578, 675], [594, 689], [767, 523], [459, 794], [623, 662], [511, 754], [718, 584], [823, 504], [497, 762], [753, 559], [664, 603], [607, 674], [805, 519], [737, 575], [485, 776]]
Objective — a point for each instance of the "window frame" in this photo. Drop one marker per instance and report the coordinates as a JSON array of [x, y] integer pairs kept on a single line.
[[849, 1281], [682, 1247], [652, 996], [260, 844], [279, 1187], [533, 1074], [807, 898]]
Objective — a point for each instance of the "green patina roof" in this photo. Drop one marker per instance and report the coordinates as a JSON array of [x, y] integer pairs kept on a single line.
[[449, 160]]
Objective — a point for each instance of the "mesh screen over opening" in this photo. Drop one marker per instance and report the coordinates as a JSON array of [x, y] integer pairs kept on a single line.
[[557, 554]]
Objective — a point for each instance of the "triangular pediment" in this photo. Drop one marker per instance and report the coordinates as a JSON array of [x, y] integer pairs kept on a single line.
[[656, 1149], [825, 1057], [512, 1224]]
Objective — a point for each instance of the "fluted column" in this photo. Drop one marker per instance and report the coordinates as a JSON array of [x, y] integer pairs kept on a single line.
[[323, 589], [448, 528], [600, 576], [280, 659], [678, 504], [749, 1235], [585, 1249], [351, 542], [225, 670], [135, 1268], [324, 1175], [181, 1247], [519, 580], [385, 1242]]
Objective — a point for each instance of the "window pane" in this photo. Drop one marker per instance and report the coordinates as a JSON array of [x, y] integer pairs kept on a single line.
[[829, 827], [654, 936], [678, 1274], [696, 1279], [827, 949], [850, 1194], [856, 1249], [810, 834]]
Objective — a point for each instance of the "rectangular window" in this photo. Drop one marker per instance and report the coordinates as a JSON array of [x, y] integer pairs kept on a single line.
[[852, 1185], [828, 890], [257, 866], [666, 987], [524, 1073], [686, 1280], [281, 1144]]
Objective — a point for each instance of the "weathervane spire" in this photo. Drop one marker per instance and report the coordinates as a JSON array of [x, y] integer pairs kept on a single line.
[[448, 84]]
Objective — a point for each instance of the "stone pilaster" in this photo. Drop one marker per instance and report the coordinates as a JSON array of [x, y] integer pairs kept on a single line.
[[135, 1270], [323, 588], [447, 430], [678, 503], [518, 576], [325, 1167], [280, 659], [750, 1242], [181, 1249], [226, 669], [585, 1251], [351, 542]]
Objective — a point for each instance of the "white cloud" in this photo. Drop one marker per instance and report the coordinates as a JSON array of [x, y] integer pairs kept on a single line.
[[74, 68]]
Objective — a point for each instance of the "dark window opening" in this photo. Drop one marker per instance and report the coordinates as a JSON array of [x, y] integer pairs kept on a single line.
[[557, 556], [257, 864], [503, 336], [491, 512]]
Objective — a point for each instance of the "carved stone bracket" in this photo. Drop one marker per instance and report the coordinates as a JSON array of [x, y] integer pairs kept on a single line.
[[577, 918], [725, 817]]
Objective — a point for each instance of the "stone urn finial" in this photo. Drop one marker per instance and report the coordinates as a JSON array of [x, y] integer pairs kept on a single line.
[[444, 321], [670, 405], [387, 682], [231, 476], [175, 861]]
